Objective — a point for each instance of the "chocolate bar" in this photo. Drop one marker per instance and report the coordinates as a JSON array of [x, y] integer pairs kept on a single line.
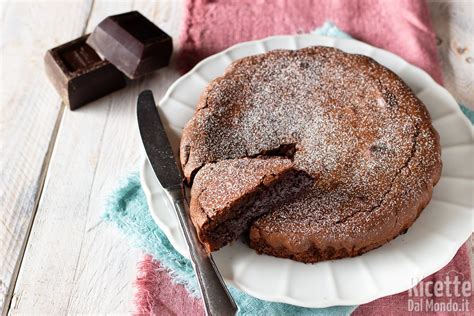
[[132, 43], [79, 74]]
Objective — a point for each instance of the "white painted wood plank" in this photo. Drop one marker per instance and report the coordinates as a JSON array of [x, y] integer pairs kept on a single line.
[[29, 112], [452, 23], [74, 263], [454, 27]]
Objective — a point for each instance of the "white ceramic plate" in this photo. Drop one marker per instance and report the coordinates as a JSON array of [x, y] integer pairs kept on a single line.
[[395, 267]]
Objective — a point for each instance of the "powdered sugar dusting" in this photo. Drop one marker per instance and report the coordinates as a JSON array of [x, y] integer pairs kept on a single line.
[[359, 131], [219, 185]]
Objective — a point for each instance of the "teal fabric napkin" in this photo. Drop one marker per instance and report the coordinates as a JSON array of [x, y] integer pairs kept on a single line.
[[128, 209]]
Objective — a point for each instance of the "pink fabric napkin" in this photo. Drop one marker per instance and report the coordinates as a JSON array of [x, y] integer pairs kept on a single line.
[[158, 295], [402, 27]]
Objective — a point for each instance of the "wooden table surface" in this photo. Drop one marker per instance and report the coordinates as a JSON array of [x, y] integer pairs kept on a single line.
[[58, 166]]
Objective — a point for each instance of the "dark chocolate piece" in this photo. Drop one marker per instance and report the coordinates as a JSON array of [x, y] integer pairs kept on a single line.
[[132, 43], [79, 74]]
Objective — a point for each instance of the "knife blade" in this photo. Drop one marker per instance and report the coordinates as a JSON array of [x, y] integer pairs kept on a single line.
[[217, 299], [157, 146]]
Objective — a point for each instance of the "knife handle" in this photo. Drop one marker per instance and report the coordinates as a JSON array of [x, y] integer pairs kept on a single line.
[[216, 296]]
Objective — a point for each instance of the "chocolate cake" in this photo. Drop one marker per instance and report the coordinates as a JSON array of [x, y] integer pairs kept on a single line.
[[228, 195], [350, 129]]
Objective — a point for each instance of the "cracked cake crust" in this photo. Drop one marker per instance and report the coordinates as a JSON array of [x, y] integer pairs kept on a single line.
[[348, 122]]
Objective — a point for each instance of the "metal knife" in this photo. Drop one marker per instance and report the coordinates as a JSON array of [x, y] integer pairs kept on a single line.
[[217, 299]]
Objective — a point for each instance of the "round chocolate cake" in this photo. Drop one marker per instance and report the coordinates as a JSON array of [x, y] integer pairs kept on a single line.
[[350, 152]]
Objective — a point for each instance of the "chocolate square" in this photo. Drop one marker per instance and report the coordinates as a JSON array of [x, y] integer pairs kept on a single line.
[[79, 74], [132, 43]]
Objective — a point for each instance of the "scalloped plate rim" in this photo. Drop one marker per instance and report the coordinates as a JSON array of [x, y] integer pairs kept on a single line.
[[286, 298]]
